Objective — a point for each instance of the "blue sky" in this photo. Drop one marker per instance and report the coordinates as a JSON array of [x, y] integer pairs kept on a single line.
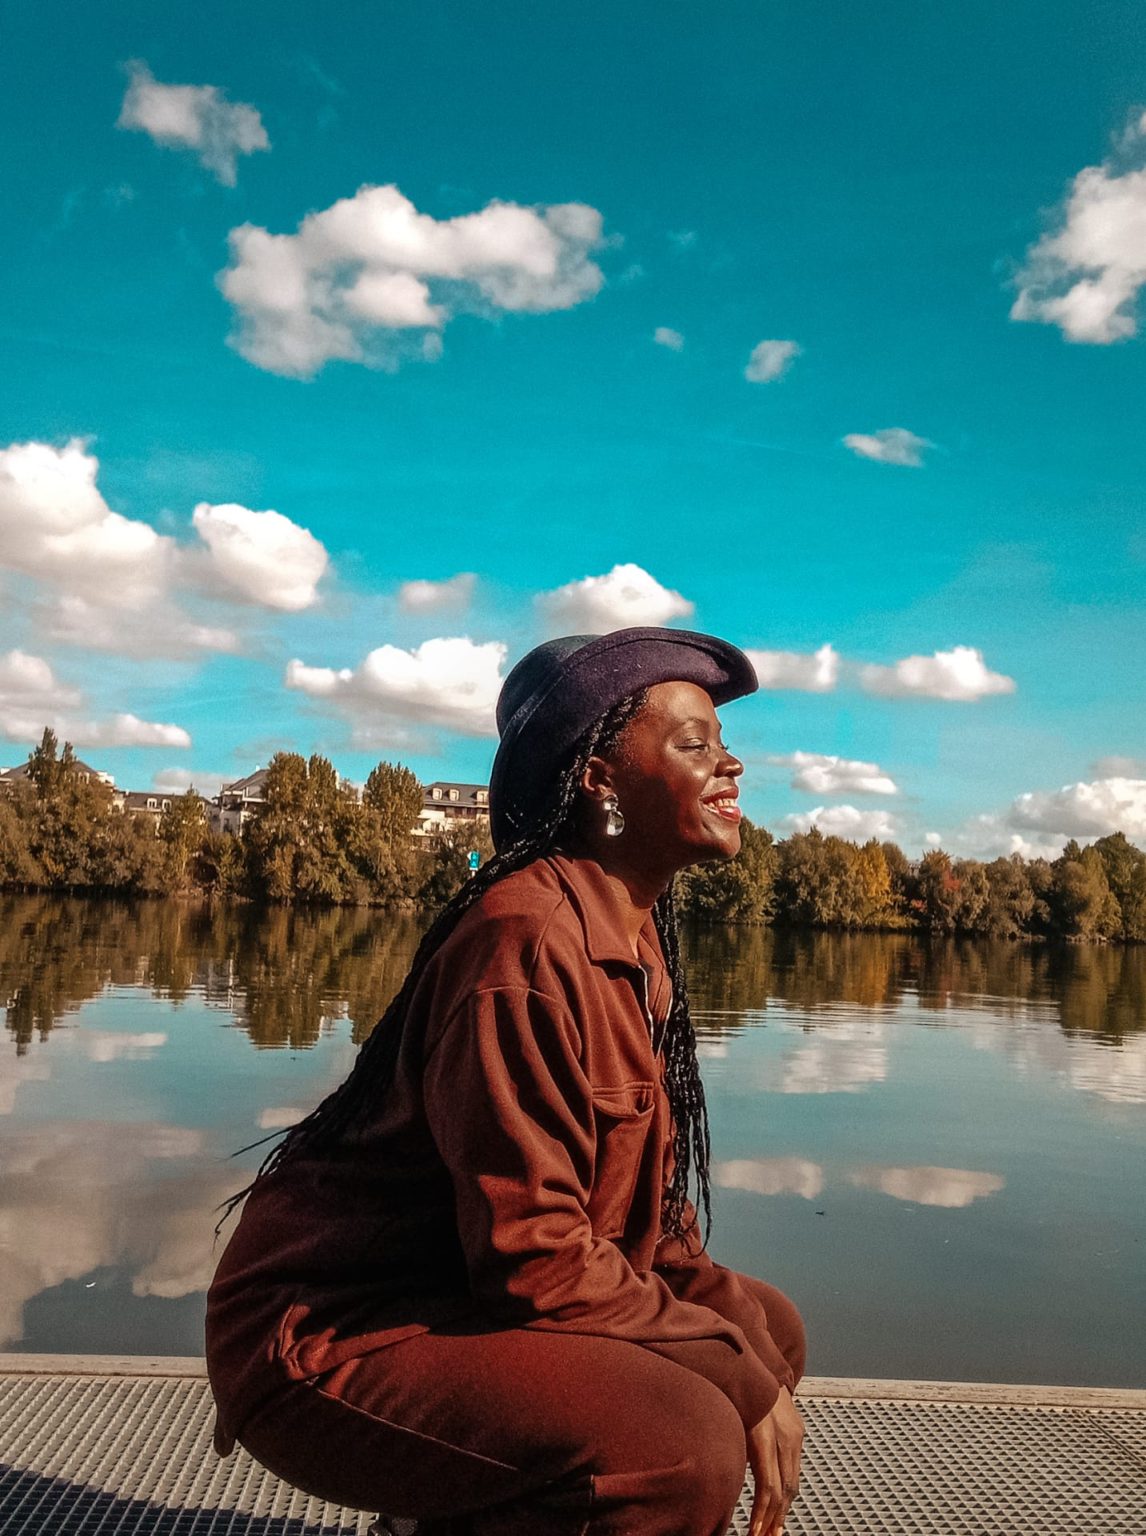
[[537, 359]]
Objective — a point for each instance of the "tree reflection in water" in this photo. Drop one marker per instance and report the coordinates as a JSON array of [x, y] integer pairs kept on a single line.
[[1094, 989], [284, 971]]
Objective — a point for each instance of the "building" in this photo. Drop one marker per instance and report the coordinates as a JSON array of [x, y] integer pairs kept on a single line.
[[83, 770], [145, 802], [239, 803], [450, 807]]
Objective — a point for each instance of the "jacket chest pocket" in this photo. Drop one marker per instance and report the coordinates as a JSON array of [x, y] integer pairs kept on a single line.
[[623, 1119]]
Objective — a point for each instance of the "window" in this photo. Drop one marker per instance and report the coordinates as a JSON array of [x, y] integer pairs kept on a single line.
[[482, 797], [152, 804], [167, 805], [436, 792], [454, 794]]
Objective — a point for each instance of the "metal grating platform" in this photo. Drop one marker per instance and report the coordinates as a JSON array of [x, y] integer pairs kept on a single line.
[[123, 1448]]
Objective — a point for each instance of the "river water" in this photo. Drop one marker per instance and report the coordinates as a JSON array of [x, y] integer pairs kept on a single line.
[[939, 1150]]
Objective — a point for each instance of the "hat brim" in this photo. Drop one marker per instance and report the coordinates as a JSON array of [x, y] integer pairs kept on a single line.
[[591, 680]]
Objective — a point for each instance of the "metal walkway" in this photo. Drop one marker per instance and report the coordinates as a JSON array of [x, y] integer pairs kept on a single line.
[[91, 1446]]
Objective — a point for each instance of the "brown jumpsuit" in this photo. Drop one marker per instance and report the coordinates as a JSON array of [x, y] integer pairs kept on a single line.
[[469, 1310]]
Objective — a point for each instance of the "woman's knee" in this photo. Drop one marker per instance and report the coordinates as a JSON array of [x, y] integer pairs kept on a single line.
[[783, 1321]]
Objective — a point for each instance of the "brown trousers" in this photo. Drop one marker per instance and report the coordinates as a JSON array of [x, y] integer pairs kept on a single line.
[[520, 1433]]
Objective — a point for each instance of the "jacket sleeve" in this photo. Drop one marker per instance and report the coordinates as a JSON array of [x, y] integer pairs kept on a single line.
[[702, 1281], [512, 1114]]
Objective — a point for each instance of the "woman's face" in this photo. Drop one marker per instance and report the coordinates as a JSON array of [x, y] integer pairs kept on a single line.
[[675, 780]]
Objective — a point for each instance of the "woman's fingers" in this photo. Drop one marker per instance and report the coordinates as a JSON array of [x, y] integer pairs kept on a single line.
[[764, 1459]]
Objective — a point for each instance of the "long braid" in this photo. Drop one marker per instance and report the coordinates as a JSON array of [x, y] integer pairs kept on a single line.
[[376, 1063], [691, 1142]]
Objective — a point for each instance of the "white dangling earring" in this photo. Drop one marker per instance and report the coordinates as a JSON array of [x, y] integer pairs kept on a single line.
[[614, 817]]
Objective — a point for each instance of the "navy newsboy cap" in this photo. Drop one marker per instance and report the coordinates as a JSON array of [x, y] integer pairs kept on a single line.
[[555, 693]]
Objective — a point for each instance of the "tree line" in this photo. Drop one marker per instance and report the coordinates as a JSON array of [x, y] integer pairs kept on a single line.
[[317, 840], [314, 840]]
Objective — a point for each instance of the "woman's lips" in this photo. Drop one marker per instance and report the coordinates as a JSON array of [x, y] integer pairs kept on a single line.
[[724, 806]]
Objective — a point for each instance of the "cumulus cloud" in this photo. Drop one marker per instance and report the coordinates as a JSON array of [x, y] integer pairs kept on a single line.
[[665, 336], [56, 526], [769, 359], [626, 596], [952, 1188], [823, 774], [959, 674], [770, 1176], [31, 697], [846, 821], [106, 1045], [278, 1117], [817, 672], [262, 555], [193, 117], [437, 596], [847, 1057], [371, 267], [1085, 273], [1083, 810], [109, 582], [891, 445], [451, 683], [177, 781]]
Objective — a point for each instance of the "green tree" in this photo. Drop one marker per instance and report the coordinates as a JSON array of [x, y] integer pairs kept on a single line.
[[1082, 905], [739, 890], [395, 795], [182, 834], [71, 817], [937, 892], [1011, 901], [1125, 867]]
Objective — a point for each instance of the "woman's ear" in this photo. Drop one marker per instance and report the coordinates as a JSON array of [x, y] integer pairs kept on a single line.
[[597, 779]]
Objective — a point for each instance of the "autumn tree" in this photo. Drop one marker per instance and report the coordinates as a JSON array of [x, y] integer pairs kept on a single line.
[[739, 890], [182, 834]]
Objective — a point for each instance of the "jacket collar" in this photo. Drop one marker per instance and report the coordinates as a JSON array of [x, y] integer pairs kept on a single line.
[[597, 907]]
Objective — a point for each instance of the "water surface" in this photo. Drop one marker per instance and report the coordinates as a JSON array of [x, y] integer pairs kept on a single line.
[[937, 1149]]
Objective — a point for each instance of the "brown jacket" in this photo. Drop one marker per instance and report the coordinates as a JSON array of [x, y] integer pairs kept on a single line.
[[512, 1177]]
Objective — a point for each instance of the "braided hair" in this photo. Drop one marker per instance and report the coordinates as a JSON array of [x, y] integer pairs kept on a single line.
[[375, 1065]]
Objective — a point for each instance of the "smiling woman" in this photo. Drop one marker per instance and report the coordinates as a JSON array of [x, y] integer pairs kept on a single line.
[[471, 1287]]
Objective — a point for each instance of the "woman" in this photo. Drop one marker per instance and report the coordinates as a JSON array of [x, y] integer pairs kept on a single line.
[[470, 1287]]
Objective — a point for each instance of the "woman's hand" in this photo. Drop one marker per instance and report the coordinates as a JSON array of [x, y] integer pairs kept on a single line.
[[774, 1448]]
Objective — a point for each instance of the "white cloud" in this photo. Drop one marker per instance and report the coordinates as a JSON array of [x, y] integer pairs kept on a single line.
[[822, 774], [372, 266], [846, 821], [847, 1057], [177, 781], [665, 336], [262, 555], [31, 697], [105, 1045], [452, 683], [770, 1176], [769, 360], [817, 672], [195, 117], [951, 1188], [108, 582], [435, 596], [1084, 275], [891, 445], [125, 731], [1083, 810], [56, 526], [279, 1117], [959, 674], [626, 596]]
